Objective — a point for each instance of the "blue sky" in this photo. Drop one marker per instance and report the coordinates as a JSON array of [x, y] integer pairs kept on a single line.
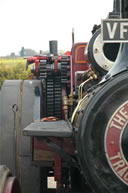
[[32, 23]]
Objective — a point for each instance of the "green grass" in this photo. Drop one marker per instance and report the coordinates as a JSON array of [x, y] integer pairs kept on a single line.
[[12, 61], [11, 69]]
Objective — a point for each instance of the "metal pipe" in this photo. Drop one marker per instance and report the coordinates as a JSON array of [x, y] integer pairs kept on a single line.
[[116, 13], [53, 47], [73, 37], [116, 6], [124, 8]]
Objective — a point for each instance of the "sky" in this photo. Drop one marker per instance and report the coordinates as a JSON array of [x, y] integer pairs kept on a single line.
[[32, 23]]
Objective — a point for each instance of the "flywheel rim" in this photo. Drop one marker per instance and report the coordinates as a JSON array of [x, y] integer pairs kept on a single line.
[[94, 172]]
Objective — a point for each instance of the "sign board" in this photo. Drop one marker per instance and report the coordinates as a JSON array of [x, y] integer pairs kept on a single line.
[[114, 30]]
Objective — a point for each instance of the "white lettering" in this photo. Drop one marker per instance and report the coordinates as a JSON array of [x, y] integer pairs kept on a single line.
[[118, 156], [113, 124], [119, 119], [123, 29], [126, 177], [119, 164], [124, 113], [122, 171], [111, 31]]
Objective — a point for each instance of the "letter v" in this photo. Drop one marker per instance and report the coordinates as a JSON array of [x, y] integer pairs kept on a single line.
[[112, 31]]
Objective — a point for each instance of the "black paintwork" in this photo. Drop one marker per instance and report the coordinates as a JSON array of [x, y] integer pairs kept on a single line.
[[91, 135], [124, 142], [121, 63]]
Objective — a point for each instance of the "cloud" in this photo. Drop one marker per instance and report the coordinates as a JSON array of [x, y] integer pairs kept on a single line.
[[32, 23]]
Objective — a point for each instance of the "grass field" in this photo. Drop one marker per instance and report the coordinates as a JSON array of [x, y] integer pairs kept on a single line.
[[12, 61], [13, 68]]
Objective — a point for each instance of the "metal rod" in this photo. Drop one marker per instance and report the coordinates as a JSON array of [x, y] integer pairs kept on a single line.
[[73, 37], [15, 109]]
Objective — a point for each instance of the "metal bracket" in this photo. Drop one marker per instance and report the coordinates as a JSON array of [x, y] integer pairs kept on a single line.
[[65, 156], [15, 110]]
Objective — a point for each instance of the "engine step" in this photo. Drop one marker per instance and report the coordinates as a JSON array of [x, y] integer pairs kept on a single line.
[[59, 128]]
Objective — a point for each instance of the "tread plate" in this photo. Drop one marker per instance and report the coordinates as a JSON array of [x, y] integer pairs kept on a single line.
[[51, 129]]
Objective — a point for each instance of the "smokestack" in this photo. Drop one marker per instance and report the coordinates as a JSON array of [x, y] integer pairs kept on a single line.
[[53, 46], [116, 6], [116, 10]]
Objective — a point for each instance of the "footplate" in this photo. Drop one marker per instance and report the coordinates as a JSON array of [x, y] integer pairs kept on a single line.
[[50, 129]]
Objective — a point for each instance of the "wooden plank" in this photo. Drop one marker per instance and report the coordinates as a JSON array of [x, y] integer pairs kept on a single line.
[[42, 155]]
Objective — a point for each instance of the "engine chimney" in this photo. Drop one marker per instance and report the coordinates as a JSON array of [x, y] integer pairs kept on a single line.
[[116, 10], [53, 46]]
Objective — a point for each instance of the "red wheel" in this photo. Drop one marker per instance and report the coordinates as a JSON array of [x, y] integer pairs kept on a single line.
[[12, 185], [8, 184]]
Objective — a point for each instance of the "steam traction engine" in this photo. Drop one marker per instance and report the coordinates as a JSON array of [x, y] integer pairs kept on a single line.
[[69, 122]]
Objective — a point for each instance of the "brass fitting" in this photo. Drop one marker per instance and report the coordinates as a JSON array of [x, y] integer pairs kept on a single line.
[[70, 100], [91, 76], [65, 106], [92, 73], [67, 101]]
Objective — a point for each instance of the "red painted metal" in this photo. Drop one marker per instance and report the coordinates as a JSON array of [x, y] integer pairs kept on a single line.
[[37, 67], [113, 138], [59, 58], [31, 60], [12, 185], [79, 62], [65, 144], [57, 170], [55, 65], [68, 53]]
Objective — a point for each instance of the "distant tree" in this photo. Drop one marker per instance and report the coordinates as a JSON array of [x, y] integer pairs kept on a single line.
[[12, 54], [45, 52], [61, 52], [22, 52], [27, 52]]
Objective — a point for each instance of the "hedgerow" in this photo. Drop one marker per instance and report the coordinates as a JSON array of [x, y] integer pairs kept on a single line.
[[13, 70]]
